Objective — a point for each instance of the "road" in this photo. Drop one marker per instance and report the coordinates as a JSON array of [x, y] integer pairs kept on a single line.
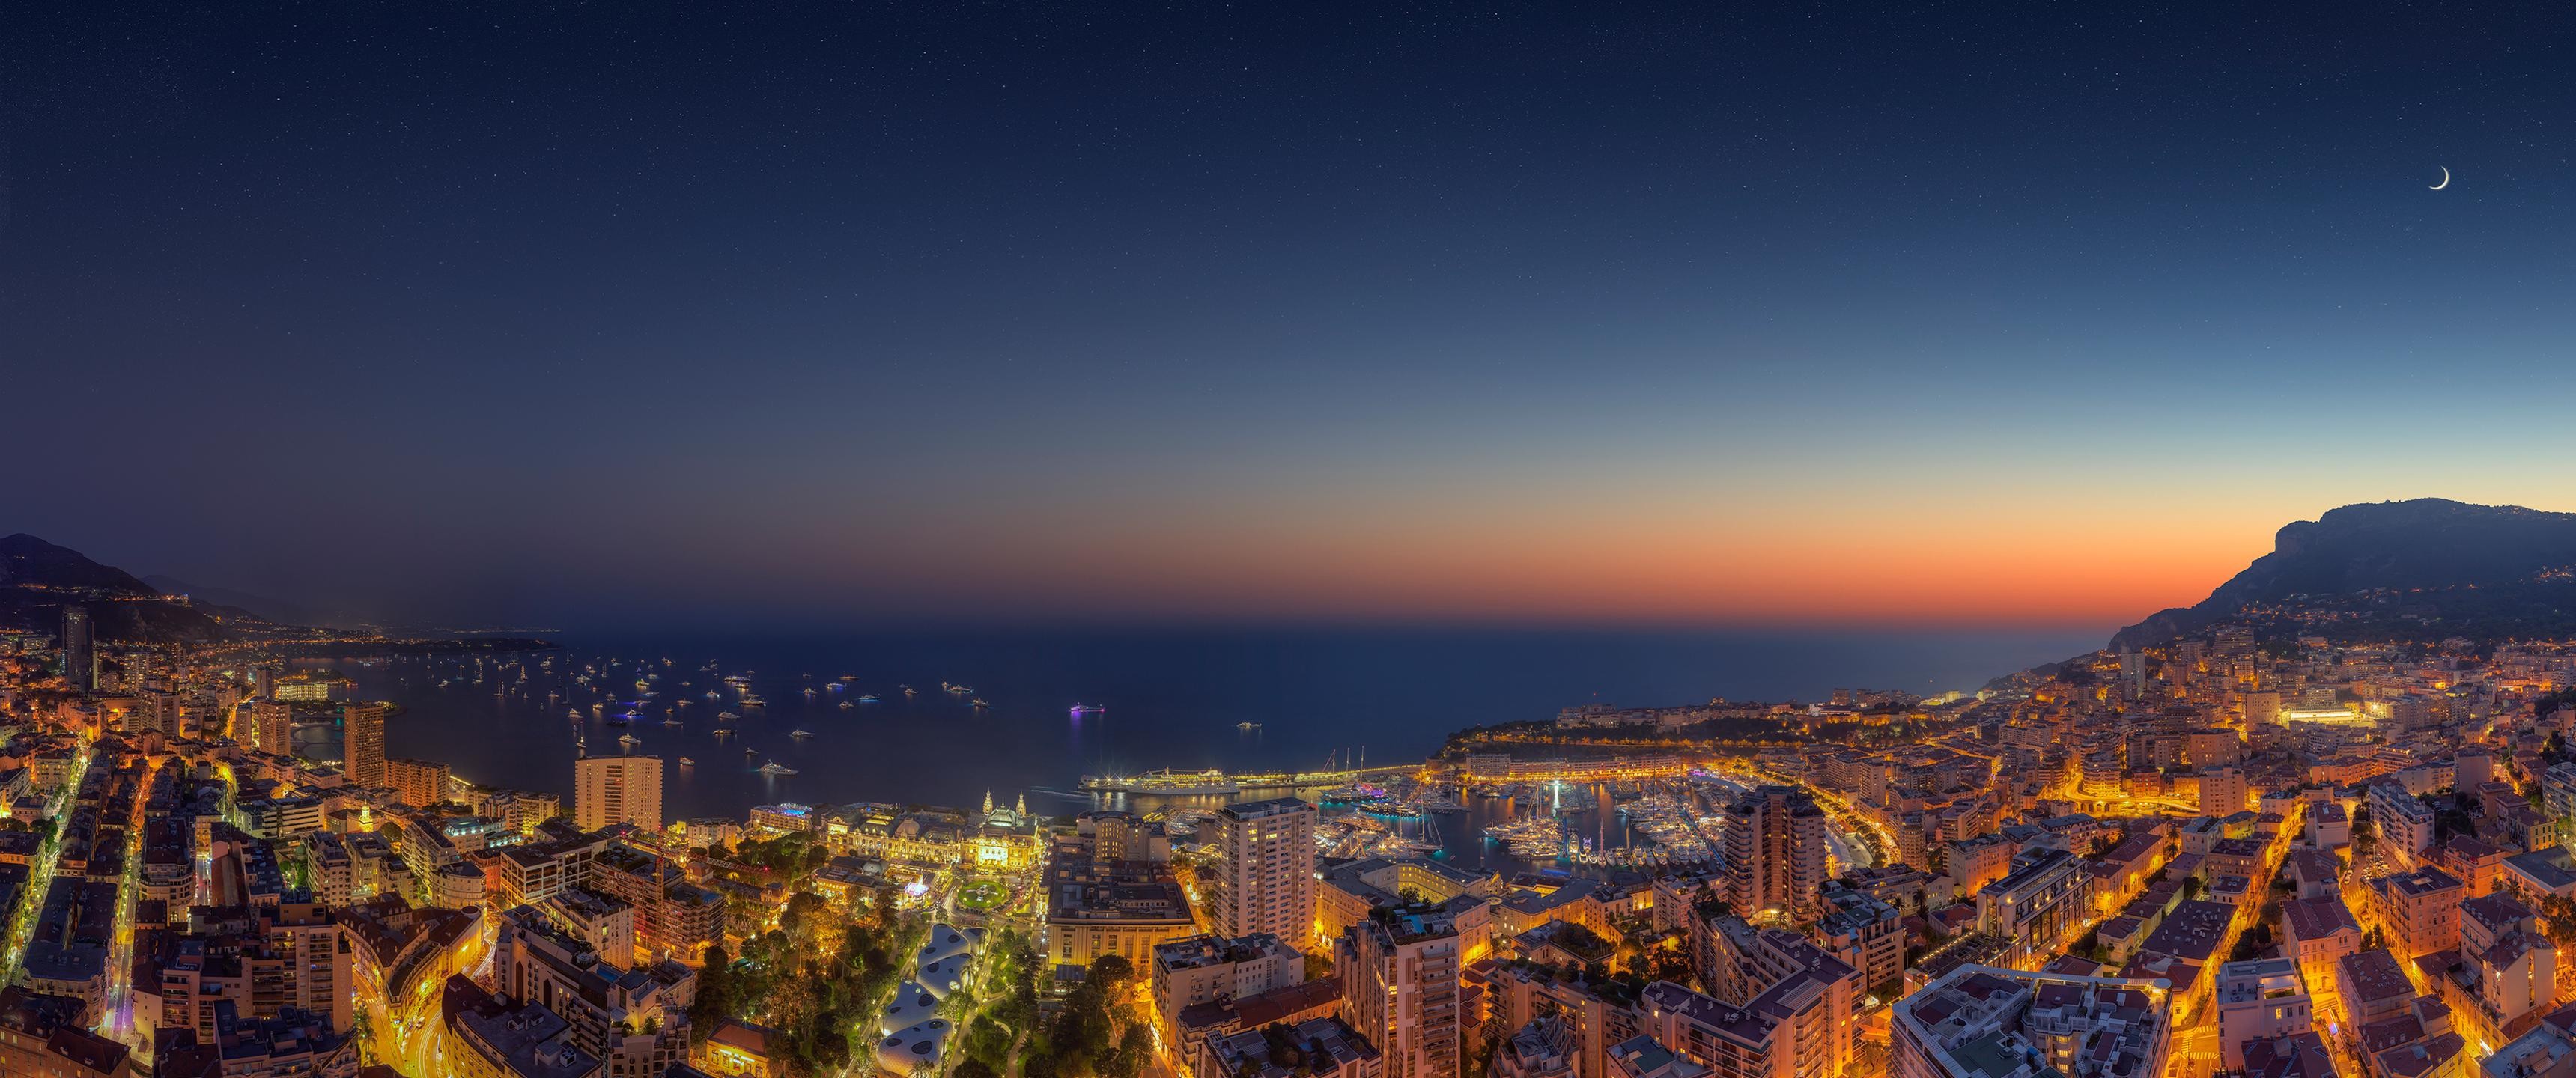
[[41, 878]]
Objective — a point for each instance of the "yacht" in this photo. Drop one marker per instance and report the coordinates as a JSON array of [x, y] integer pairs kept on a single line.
[[957, 690], [909, 690], [670, 722], [573, 713], [752, 699], [686, 762], [846, 705], [979, 703], [867, 699], [726, 716], [1247, 727], [773, 767], [809, 692], [1088, 709], [629, 740], [800, 734], [751, 752]]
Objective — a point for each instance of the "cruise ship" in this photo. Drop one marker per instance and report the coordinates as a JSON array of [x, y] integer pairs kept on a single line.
[[1166, 783]]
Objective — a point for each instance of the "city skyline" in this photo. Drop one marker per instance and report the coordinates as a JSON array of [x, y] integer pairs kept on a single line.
[[1754, 317]]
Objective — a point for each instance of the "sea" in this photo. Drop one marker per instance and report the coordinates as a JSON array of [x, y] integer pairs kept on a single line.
[[1167, 698]]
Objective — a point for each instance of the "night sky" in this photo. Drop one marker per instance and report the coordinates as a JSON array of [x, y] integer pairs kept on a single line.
[[1915, 314]]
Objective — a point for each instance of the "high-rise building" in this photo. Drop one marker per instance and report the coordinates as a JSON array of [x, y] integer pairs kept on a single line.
[[1266, 876], [421, 783], [1775, 851], [610, 790], [363, 732], [268, 725], [80, 653], [1400, 988], [1983, 1021]]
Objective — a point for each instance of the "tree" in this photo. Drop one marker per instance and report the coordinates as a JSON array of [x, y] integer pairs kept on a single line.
[[716, 990], [975, 1068], [1112, 973], [2558, 920], [1135, 1049]]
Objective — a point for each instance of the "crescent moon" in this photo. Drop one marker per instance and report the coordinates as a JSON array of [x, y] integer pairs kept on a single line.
[[2446, 181]]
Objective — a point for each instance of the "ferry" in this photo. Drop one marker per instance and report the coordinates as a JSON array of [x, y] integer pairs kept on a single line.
[[1088, 709], [773, 767], [800, 733]]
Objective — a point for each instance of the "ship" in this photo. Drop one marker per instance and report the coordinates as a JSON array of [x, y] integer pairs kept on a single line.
[[1247, 727], [867, 699], [800, 733], [1166, 782], [909, 690], [726, 716], [670, 722], [956, 690], [809, 692], [686, 762], [629, 740], [979, 703], [573, 713], [1088, 709], [773, 767], [752, 699], [846, 705]]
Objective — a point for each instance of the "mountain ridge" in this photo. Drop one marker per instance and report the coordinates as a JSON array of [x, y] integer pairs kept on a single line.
[[38, 579], [2379, 566]]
